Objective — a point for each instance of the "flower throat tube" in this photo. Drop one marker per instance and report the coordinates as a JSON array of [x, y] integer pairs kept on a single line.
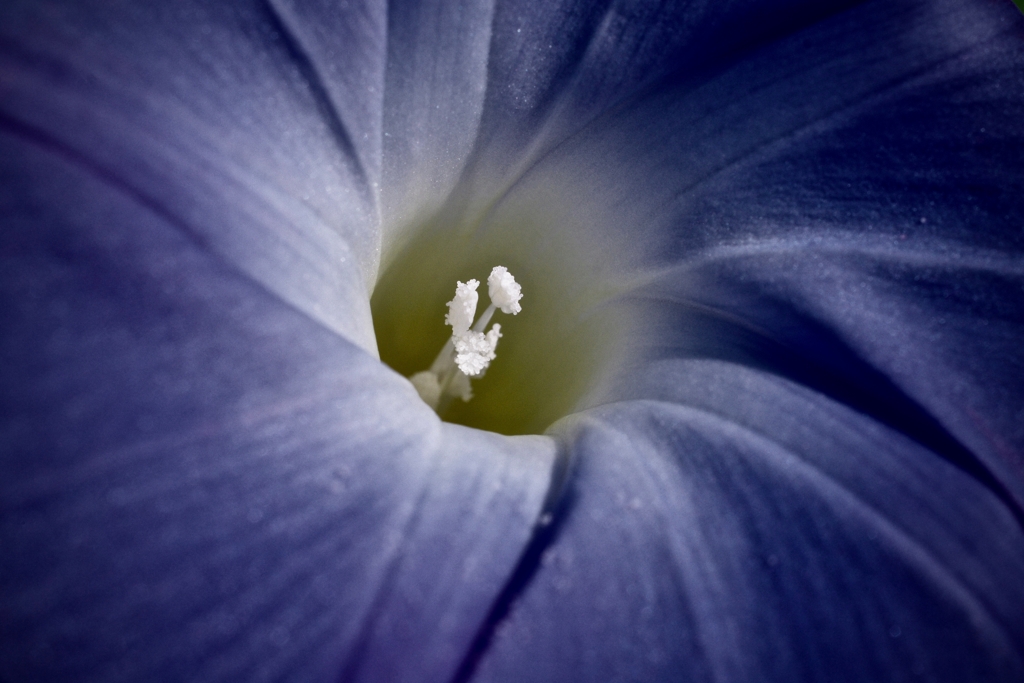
[[555, 350]]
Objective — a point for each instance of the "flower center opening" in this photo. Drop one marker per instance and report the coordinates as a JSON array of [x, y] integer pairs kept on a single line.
[[553, 355]]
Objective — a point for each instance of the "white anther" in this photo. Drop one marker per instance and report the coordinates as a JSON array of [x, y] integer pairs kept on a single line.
[[462, 309], [475, 350], [504, 291]]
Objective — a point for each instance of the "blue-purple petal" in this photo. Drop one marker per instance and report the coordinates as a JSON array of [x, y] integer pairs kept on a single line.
[[829, 374], [229, 121], [751, 530], [202, 483]]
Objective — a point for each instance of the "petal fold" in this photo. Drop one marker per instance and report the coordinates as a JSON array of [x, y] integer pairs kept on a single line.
[[235, 122], [201, 483], [436, 83], [851, 193], [749, 530]]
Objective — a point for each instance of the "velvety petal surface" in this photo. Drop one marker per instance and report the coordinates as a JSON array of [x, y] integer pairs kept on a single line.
[[254, 126], [840, 201], [811, 471], [556, 66], [882, 217], [814, 472], [436, 84], [201, 482], [743, 528]]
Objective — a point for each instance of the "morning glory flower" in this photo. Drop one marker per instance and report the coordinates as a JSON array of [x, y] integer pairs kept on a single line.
[[758, 418]]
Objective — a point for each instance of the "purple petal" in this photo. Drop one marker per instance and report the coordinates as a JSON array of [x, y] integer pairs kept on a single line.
[[726, 523], [763, 533], [436, 82], [201, 483], [227, 120]]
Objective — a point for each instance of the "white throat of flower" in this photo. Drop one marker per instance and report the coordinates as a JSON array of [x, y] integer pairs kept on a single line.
[[470, 350]]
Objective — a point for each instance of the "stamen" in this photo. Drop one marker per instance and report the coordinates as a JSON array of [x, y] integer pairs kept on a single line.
[[504, 291], [469, 351], [474, 350], [462, 309]]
